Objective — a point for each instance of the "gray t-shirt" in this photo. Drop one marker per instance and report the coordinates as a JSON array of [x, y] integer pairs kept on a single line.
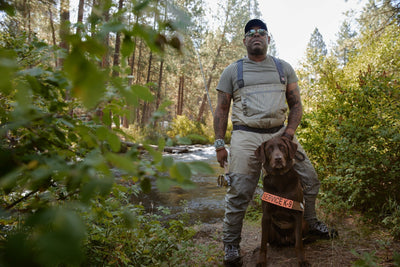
[[263, 72]]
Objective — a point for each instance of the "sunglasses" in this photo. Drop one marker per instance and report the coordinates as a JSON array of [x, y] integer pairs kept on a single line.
[[252, 32]]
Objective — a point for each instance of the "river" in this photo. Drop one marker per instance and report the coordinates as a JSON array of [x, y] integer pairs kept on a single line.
[[204, 203]]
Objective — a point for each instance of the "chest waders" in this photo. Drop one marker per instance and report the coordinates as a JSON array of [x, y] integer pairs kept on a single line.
[[259, 106], [258, 114]]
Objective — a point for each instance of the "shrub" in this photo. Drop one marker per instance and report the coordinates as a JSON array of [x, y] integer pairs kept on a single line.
[[122, 234], [354, 138], [184, 130]]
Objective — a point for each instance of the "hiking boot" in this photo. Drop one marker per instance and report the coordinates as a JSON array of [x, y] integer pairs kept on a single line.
[[322, 231], [232, 255]]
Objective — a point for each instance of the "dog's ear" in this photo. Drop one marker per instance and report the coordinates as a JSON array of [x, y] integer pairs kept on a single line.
[[292, 147], [260, 153]]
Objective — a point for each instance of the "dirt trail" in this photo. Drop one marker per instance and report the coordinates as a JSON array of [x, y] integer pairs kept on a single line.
[[354, 238]]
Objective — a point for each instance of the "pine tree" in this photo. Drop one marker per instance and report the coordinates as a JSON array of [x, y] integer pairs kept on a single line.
[[345, 43], [316, 48]]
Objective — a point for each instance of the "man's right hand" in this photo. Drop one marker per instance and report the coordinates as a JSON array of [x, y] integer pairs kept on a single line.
[[222, 156]]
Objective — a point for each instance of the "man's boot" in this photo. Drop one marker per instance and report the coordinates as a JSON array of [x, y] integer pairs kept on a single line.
[[316, 228], [232, 255]]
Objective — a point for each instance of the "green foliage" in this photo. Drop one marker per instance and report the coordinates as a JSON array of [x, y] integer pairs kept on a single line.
[[396, 258], [351, 128], [357, 142], [391, 217], [120, 233], [60, 205], [50, 237], [186, 131], [365, 260]]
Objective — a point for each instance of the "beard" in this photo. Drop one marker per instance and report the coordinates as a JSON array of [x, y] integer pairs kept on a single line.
[[257, 51]]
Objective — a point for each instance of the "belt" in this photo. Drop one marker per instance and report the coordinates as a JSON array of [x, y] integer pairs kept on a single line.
[[257, 130]]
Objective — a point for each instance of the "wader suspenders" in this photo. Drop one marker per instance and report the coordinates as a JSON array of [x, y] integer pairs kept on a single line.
[[278, 66]]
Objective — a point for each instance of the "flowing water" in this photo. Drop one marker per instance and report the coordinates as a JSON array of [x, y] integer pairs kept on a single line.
[[204, 203]]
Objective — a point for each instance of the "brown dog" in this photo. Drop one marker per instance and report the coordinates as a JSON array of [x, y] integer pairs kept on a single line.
[[282, 220]]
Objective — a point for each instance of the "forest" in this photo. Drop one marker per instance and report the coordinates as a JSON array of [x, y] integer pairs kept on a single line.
[[91, 87]]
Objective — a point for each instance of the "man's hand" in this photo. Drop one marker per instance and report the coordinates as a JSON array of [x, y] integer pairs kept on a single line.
[[222, 156], [220, 124], [287, 135]]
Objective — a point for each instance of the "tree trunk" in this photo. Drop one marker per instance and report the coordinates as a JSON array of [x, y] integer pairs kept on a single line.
[[29, 24], [130, 119], [145, 110], [53, 32], [146, 106], [158, 99], [64, 28], [93, 14], [204, 101], [80, 15], [179, 109], [138, 77], [106, 17], [115, 73], [203, 105], [139, 63], [133, 57]]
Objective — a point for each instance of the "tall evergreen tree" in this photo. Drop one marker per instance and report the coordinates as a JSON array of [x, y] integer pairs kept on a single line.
[[272, 50], [316, 48], [345, 43]]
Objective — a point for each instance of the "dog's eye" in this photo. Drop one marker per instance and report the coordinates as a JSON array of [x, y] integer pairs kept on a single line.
[[282, 147]]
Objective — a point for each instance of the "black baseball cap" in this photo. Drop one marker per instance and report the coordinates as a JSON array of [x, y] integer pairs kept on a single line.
[[255, 22]]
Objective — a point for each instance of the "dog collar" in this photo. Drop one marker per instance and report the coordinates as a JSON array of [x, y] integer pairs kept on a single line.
[[283, 202]]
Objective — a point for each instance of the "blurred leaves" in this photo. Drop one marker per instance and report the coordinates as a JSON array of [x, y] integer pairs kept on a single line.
[[88, 82], [59, 155]]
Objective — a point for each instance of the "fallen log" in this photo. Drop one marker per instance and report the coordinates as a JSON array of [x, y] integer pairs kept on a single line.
[[173, 149]]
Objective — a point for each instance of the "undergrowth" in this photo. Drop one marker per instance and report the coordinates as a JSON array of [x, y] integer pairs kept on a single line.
[[121, 233]]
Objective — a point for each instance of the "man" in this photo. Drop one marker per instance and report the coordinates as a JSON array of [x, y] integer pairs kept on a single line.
[[259, 94]]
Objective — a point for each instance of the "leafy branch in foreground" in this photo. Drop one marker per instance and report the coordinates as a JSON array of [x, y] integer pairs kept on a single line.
[[57, 169]]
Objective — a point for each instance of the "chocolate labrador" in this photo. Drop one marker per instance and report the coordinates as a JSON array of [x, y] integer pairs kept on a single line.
[[283, 207]]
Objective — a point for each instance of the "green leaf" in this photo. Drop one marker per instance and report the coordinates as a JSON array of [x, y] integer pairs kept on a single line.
[[102, 133], [145, 184], [201, 167], [87, 81], [181, 172], [167, 162], [164, 184], [114, 142], [34, 72], [157, 155], [128, 46], [142, 92], [129, 95], [9, 9], [161, 144], [9, 181], [129, 218], [106, 117], [116, 120], [113, 26], [141, 5], [122, 162], [8, 65], [58, 237], [184, 141]]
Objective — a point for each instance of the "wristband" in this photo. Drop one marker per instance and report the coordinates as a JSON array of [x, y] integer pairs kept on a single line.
[[219, 143], [285, 134]]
